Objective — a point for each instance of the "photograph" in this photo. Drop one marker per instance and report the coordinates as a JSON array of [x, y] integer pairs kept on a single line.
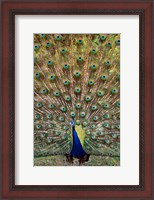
[[77, 99]]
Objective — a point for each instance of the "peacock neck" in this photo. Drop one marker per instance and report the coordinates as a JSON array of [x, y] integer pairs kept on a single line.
[[77, 149]]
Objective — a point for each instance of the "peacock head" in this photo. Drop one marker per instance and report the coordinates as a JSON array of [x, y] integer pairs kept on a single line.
[[72, 123]]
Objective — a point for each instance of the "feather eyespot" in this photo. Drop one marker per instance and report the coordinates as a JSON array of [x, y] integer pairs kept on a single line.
[[39, 104], [37, 116]]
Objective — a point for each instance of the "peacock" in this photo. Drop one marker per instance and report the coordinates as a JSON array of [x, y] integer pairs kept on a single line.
[[77, 98]]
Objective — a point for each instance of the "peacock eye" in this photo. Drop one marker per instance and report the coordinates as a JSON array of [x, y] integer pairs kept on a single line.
[[66, 82], [104, 77], [77, 73], [50, 62], [93, 51], [68, 132], [106, 125], [58, 133], [92, 126], [49, 140], [118, 42], [51, 125], [58, 37], [36, 47], [43, 135], [61, 118], [85, 124], [93, 67], [117, 126], [77, 89], [105, 105], [44, 91], [87, 132], [65, 66], [51, 106], [106, 116], [118, 104], [91, 82], [95, 118], [79, 59], [78, 105], [72, 114], [93, 137], [107, 63], [37, 116], [79, 41], [65, 127], [114, 135], [67, 97], [93, 107], [88, 98], [102, 37], [107, 141], [49, 116], [64, 137], [42, 35], [38, 126], [114, 91], [77, 122], [37, 75], [39, 104], [57, 93], [109, 44], [63, 51], [52, 77], [48, 44], [99, 93], [82, 114], [63, 109]]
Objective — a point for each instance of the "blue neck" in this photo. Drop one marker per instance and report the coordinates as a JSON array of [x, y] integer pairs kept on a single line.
[[77, 150]]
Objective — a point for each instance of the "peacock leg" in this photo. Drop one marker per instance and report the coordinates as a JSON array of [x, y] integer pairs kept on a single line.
[[84, 159], [69, 158]]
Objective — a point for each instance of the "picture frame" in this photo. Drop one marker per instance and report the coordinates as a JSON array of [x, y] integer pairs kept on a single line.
[[145, 188]]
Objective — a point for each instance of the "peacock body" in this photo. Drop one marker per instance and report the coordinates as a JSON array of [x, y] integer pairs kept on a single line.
[[77, 96]]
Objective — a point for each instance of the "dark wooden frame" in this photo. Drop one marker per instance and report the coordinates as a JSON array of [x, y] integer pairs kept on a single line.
[[11, 8]]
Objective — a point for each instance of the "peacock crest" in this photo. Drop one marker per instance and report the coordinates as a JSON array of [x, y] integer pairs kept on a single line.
[[77, 87]]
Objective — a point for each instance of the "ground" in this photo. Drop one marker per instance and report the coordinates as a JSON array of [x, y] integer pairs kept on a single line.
[[61, 160]]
